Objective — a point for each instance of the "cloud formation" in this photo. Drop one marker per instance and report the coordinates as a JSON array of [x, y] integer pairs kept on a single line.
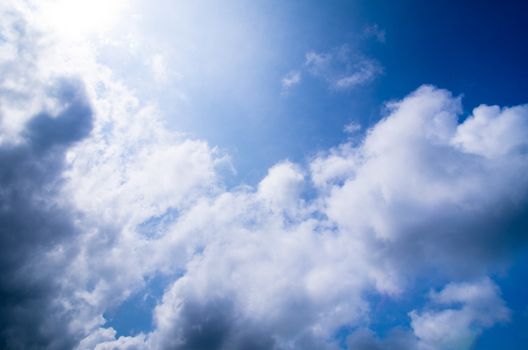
[[342, 68], [99, 197], [415, 186], [406, 201], [37, 229], [455, 317], [457, 327], [291, 79]]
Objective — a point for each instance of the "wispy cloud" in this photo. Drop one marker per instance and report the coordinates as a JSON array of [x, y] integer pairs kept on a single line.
[[352, 128], [341, 68], [374, 31], [364, 71], [290, 80]]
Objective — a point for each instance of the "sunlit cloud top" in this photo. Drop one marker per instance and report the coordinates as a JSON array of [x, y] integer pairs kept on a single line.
[[77, 18]]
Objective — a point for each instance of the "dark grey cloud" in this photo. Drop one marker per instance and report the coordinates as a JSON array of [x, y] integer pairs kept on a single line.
[[73, 123], [465, 243], [36, 228], [216, 325]]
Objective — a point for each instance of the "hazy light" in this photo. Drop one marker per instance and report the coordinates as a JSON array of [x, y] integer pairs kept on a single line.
[[73, 18]]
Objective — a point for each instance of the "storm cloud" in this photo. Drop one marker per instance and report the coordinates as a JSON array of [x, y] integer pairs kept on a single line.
[[37, 227]]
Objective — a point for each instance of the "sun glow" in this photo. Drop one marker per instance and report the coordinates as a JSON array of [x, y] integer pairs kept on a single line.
[[73, 18]]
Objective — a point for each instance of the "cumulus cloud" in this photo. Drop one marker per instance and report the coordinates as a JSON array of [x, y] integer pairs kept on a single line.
[[405, 201], [105, 339], [493, 131], [453, 319], [457, 327], [413, 188], [282, 186], [71, 199], [100, 196]]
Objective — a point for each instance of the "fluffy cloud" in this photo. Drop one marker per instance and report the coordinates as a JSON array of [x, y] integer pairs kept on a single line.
[[71, 198], [100, 196], [105, 339], [457, 327], [415, 191], [454, 317], [493, 132], [282, 187], [407, 200]]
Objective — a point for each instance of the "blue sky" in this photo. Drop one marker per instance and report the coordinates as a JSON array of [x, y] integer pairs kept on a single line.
[[473, 50], [263, 174]]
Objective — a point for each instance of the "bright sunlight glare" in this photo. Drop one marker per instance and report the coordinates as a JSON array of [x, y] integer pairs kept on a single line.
[[74, 18]]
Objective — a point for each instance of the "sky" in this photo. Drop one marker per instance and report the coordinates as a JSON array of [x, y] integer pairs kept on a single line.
[[273, 174]]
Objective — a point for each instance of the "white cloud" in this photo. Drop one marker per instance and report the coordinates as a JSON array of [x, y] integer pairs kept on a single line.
[[457, 327], [342, 68], [282, 186], [317, 62], [105, 339], [335, 166], [364, 71], [494, 132], [258, 268], [397, 213], [412, 183], [352, 127], [291, 79], [453, 319]]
